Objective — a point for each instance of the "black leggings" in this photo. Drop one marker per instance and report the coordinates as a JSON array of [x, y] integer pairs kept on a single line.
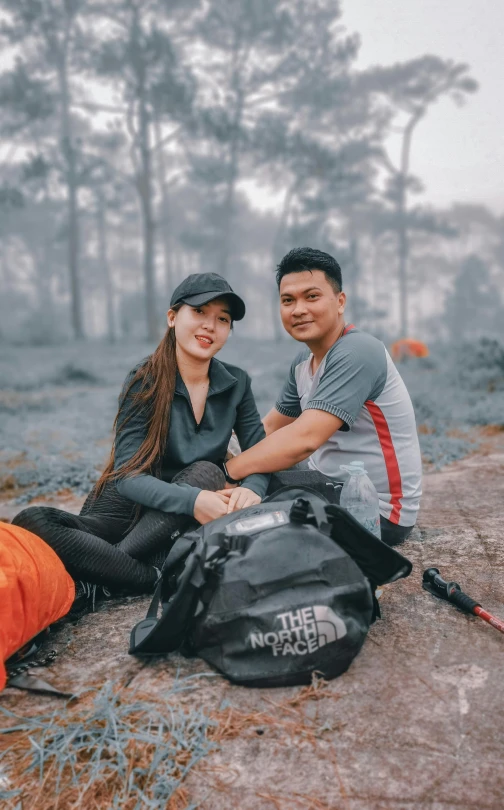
[[105, 544]]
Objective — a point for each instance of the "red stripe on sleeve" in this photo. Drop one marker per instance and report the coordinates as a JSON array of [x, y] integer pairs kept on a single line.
[[389, 454]]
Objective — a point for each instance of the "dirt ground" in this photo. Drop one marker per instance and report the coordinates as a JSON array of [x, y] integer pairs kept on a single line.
[[418, 720]]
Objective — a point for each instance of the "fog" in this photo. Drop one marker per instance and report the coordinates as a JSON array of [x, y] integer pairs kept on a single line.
[[144, 141]]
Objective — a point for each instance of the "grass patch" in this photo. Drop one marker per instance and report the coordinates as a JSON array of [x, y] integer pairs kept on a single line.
[[112, 749], [107, 752]]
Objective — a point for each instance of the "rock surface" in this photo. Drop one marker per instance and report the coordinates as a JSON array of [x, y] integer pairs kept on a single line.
[[418, 720]]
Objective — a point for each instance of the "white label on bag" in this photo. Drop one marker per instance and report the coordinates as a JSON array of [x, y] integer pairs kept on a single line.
[[302, 631], [257, 523]]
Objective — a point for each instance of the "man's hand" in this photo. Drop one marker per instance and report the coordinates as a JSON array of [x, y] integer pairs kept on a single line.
[[210, 506], [239, 498]]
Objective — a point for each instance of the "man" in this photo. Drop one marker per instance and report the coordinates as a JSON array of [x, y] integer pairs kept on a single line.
[[343, 400]]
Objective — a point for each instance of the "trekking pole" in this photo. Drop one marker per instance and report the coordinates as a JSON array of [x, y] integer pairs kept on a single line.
[[452, 592]]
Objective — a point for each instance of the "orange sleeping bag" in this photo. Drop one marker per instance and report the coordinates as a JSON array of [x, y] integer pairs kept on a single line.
[[35, 590]]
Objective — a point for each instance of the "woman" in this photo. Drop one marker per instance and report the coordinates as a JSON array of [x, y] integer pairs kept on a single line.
[[177, 411]]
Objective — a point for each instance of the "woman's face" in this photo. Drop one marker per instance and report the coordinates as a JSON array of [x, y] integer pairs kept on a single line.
[[201, 331]]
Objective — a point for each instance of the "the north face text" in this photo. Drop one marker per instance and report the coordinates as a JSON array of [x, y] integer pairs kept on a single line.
[[300, 632]]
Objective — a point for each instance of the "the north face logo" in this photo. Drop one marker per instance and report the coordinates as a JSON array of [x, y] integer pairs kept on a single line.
[[301, 631]]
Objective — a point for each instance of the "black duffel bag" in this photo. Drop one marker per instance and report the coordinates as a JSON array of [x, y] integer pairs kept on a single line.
[[271, 594]]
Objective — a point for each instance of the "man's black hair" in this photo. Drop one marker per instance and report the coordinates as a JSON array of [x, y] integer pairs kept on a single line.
[[305, 258]]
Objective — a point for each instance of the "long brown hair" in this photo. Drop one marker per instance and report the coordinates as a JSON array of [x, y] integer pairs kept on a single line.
[[157, 378]]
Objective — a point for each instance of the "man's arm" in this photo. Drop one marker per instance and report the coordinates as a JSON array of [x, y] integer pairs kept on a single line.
[[286, 446], [355, 371], [274, 421]]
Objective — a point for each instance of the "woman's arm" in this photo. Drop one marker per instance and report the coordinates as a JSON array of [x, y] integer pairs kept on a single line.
[[156, 494], [145, 489]]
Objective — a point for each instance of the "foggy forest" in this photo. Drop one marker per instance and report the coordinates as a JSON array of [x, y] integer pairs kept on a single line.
[[145, 140]]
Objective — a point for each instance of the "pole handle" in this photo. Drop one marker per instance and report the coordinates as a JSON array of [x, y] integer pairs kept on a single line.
[[461, 599], [450, 591]]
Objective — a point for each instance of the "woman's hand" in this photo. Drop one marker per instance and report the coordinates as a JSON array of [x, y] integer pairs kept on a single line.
[[239, 498], [210, 506]]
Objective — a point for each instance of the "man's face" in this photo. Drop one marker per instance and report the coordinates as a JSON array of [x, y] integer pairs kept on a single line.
[[310, 308]]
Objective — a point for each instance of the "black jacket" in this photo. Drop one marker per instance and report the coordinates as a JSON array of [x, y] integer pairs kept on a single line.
[[230, 406]]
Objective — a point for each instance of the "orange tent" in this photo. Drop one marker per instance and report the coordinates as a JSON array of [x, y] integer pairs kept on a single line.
[[408, 347], [35, 590]]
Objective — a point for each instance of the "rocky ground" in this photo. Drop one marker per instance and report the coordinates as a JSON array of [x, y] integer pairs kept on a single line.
[[417, 723]]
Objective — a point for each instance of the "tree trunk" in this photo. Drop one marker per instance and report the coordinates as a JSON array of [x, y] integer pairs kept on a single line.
[[42, 332], [148, 228], [166, 239], [374, 285], [275, 258], [403, 251], [69, 154], [402, 224], [229, 200], [101, 228], [354, 276]]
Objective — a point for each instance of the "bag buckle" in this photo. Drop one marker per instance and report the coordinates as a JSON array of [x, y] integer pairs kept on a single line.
[[235, 542]]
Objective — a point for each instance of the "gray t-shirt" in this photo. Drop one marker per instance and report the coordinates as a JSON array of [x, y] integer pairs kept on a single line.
[[358, 382]]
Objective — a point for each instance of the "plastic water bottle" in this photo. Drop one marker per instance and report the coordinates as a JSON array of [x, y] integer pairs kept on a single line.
[[360, 497]]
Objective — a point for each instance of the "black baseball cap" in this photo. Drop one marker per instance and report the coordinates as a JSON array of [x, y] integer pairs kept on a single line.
[[201, 288]]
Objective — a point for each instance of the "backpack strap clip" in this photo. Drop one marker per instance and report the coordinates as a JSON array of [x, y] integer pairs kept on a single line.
[[235, 542], [299, 511]]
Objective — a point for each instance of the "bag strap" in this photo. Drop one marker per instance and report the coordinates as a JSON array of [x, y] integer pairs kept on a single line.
[[18, 667], [156, 599], [178, 597], [182, 547], [31, 683]]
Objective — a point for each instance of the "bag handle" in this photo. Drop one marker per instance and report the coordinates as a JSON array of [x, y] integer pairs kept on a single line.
[[379, 562], [291, 492]]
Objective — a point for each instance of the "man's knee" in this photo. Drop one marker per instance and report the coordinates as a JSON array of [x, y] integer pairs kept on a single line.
[[392, 534]]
